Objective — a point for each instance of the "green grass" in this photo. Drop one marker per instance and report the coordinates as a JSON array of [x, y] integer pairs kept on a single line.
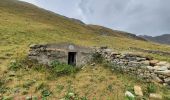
[[23, 24]]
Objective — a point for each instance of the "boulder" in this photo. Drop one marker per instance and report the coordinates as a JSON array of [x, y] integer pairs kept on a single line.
[[153, 62], [129, 94], [166, 72], [161, 68], [162, 63], [138, 91], [154, 96]]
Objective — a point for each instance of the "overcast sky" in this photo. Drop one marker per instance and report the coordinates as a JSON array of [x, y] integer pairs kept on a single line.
[[149, 17]]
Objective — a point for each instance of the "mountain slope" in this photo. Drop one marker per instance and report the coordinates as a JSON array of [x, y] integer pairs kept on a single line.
[[22, 24], [163, 39]]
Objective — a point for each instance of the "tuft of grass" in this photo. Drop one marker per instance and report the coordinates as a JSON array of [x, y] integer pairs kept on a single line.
[[59, 88], [15, 65], [28, 84], [151, 88]]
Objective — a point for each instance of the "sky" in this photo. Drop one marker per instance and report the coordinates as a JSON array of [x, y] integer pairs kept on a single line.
[[141, 17]]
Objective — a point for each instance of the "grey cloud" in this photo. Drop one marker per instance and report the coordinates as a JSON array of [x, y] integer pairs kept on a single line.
[[150, 17]]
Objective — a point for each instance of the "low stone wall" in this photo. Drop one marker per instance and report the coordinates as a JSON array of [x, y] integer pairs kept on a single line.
[[142, 67]]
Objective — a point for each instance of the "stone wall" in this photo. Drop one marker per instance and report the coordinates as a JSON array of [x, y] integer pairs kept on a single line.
[[142, 67], [45, 54]]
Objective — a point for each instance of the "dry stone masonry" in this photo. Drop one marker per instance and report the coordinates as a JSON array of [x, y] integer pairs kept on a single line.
[[144, 68]]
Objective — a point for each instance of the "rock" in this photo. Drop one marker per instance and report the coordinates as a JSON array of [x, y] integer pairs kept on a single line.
[[72, 95], [145, 63], [28, 98], [115, 53], [103, 47], [150, 68], [138, 90], [162, 63], [12, 74], [34, 46], [129, 94], [139, 59], [163, 68], [154, 96], [161, 76], [166, 72], [157, 79], [153, 62], [149, 58], [167, 80], [93, 64]]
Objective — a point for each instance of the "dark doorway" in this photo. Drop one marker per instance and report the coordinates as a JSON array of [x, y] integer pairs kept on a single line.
[[72, 58]]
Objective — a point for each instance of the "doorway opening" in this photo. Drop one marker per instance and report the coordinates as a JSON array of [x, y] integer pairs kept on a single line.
[[72, 58]]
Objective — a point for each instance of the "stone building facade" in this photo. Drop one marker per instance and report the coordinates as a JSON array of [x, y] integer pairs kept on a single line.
[[63, 52]]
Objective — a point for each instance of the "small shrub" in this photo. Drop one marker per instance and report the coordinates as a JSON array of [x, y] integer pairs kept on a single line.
[[39, 67], [97, 58], [167, 97], [24, 92], [45, 93], [4, 89], [34, 98], [28, 84], [73, 96], [62, 68], [83, 98], [7, 98], [110, 88], [151, 88], [130, 88], [59, 88], [15, 65], [41, 87]]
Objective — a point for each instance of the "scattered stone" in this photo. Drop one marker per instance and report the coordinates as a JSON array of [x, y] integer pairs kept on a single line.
[[153, 62], [11, 74], [28, 98], [129, 94], [138, 90], [93, 64], [154, 96]]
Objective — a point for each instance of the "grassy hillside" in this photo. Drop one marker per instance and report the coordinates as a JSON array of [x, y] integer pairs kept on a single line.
[[22, 24]]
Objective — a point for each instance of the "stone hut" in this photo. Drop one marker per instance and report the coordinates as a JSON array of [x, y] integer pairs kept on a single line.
[[63, 52]]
